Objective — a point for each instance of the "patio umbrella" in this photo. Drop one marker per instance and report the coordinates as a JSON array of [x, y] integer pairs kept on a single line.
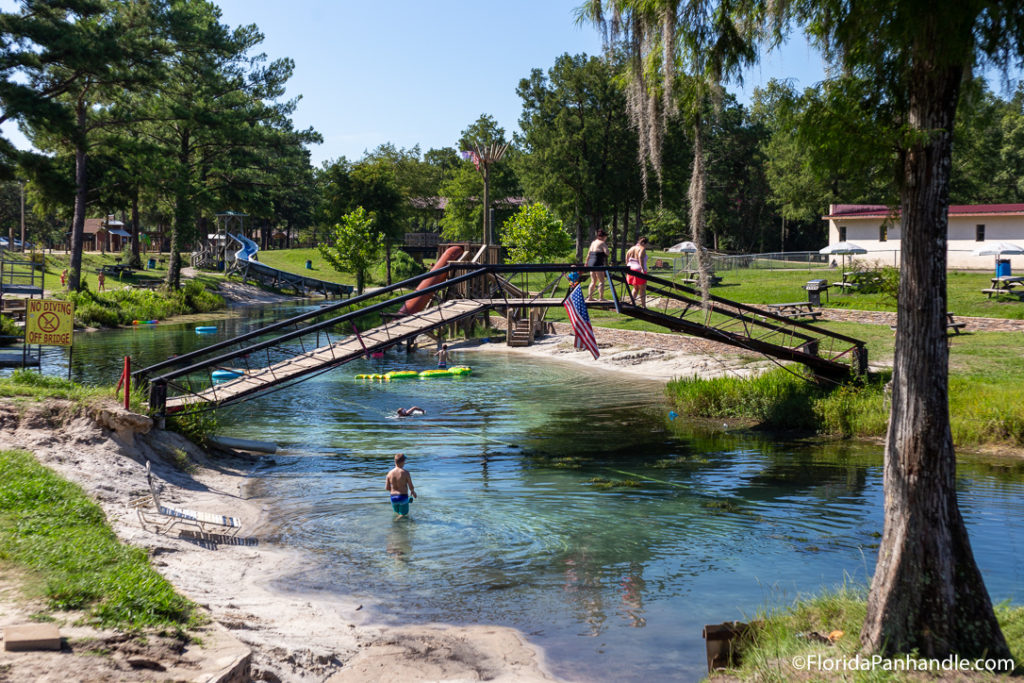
[[997, 249], [843, 248], [683, 248]]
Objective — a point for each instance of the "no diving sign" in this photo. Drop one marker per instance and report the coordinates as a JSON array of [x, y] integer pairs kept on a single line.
[[50, 323]]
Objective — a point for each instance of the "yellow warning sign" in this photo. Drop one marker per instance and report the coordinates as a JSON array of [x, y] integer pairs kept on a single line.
[[50, 323]]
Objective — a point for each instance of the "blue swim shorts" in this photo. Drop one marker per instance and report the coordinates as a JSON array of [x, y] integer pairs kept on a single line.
[[400, 504]]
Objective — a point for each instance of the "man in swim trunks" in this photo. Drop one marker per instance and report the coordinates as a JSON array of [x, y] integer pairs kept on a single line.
[[399, 484], [406, 412], [442, 356]]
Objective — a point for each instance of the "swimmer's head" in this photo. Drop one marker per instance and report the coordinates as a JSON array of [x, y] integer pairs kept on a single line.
[[399, 459]]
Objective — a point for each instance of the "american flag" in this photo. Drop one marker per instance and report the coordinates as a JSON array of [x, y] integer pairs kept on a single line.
[[471, 155], [576, 307]]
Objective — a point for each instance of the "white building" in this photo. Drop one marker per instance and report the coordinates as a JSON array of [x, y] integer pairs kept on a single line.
[[873, 227]]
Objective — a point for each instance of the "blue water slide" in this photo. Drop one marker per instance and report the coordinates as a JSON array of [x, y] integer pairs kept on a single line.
[[248, 250]]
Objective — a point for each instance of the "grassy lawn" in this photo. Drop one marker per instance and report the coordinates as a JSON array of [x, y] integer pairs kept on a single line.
[[294, 261], [50, 528], [93, 261], [781, 638]]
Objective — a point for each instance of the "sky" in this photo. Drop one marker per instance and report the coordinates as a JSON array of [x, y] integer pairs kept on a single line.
[[411, 72]]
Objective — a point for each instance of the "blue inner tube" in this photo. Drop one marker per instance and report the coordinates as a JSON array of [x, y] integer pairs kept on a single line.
[[225, 374], [204, 329]]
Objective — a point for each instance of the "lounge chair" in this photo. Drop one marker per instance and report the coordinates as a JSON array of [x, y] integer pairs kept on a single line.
[[164, 518]]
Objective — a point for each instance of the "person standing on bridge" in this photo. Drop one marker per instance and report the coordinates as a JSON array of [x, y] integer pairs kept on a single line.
[[399, 485], [636, 261], [597, 256]]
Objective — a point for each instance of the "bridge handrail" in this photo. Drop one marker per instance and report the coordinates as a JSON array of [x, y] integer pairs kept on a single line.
[[178, 360], [345, 317], [755, 310]]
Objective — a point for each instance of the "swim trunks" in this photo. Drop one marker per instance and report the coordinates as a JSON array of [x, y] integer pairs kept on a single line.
[[442, 365], [400, 503]]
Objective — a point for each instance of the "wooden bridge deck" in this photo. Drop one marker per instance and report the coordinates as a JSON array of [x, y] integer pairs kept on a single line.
[[331, 355]]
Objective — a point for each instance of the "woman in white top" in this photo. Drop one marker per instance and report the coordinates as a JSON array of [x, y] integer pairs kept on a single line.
[[597, 256], [636, 260]]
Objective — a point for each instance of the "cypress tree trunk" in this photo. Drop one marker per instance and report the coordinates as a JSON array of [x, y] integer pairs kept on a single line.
[[182, 214], [623, 246], [927, 592], [81, 189], [136, 260], [697, 195]]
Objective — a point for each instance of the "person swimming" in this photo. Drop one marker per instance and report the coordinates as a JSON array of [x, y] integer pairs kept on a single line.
[[408, 412]]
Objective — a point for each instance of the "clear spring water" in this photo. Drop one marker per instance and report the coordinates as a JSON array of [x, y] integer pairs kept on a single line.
[[560, 500]]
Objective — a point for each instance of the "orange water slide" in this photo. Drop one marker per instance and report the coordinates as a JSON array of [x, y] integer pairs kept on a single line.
[[417, 304]]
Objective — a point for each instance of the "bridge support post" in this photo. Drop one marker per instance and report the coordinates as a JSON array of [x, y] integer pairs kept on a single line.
[[158, 398]]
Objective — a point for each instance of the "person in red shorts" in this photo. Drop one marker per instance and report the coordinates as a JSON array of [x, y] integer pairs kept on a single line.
[[636, 261]]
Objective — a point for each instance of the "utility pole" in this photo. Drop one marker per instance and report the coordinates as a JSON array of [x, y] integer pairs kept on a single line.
[[23, 216]]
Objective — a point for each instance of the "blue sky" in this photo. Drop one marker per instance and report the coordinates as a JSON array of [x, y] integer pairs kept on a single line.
[[412, 72]]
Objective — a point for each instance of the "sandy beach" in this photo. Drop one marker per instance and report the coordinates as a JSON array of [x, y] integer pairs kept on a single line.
[[293, 637]]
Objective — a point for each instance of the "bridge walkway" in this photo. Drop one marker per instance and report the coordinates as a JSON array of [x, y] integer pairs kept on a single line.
[[372, 322]]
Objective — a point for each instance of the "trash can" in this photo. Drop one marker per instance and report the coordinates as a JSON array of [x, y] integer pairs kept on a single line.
[[152, 264], [220, 264], [1003, 268], [309, 264], [814, 289]]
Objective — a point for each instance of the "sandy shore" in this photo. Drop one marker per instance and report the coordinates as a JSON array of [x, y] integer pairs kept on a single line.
[[294, 637], [651, 355]]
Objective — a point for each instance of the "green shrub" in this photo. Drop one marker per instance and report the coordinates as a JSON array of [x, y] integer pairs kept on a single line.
[[9, 329], [122, 306], [403, 267], [195, 422]]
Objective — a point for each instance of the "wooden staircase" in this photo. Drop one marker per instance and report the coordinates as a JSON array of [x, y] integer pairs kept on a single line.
[[520, 332]]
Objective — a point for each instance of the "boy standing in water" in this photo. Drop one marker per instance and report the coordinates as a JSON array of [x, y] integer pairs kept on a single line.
[[442, 356], [399, 484]]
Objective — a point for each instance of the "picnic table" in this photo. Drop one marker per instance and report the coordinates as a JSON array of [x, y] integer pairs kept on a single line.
[[951, 324], [1006, 284], [692, 277], [117, 269], [795, 309]]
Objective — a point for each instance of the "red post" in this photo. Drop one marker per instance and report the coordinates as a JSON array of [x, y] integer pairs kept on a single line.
[[126, 381]]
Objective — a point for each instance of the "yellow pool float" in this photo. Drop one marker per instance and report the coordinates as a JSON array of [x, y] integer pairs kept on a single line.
[[402, 374]]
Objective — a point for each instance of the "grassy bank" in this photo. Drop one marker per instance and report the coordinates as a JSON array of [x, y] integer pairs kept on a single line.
[[981, 412], [123, 306], [31, 385], [782, 638], [50, 529]]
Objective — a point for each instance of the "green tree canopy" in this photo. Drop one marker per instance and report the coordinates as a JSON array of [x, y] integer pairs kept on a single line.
[[534, 235], [353, 245]]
